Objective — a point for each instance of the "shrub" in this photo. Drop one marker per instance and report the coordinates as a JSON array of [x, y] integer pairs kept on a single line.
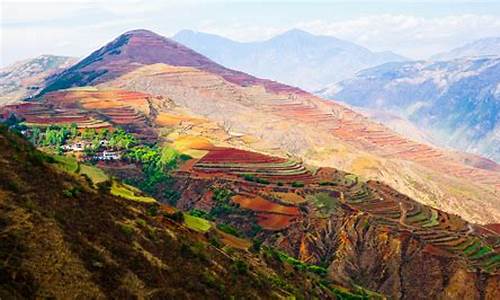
[[127, 230], [105, 186], [256, 245], [240, 267], [72, 192], [261, 181], [177, 216], [297, 184], [152, 210], [330, 183], [228, 229], [141, 222], [249, 177], [255, 230], [200, 214]]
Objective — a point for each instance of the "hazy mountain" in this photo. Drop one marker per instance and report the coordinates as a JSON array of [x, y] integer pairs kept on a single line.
[[295, 57], [482, 47], [457, 102], [25, 78]]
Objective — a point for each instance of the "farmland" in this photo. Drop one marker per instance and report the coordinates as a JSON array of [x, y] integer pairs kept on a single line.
[[252, 166]]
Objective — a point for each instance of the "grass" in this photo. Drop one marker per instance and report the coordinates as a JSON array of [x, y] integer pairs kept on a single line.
[[95, 174], [433, 221], [482, 252], [67, 163], [129, 192], [196, 223], [324, 202]]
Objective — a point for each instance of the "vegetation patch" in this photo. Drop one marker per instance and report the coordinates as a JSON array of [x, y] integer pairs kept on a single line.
[[196, 223], [128, 192]]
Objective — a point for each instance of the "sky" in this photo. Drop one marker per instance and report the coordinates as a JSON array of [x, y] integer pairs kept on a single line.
[[415, 29]]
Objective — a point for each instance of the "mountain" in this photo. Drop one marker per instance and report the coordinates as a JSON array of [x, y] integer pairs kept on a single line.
[[128, 53], [24, 79], [250, 205], [457, 102], [295, 57], [280, 230], [286, 120], [483, 47]]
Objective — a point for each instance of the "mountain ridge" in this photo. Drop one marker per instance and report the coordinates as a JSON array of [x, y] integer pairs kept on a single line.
[[288, 56]]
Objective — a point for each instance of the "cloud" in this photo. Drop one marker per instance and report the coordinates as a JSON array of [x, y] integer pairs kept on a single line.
[[413, 36]]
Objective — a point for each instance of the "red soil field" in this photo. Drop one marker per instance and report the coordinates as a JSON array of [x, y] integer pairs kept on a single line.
[[273, 221], [232, 155], [260, 204]]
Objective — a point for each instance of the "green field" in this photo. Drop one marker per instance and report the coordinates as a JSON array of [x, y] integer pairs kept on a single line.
[[67, 163], [95, 174], [129, 192], [196, 223]]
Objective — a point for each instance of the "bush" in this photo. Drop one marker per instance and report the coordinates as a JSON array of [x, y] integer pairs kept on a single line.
[[177, 216], [297, 184], [256, 245], [327, 183], [127, 230], [240, 267], [72, 192], [228, 229], [249, 177], [105, 186], [152, 210], [261, 181], [255, 230], [200, 214], [141, 222]]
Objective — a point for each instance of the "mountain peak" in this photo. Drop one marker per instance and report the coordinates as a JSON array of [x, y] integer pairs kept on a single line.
[[295, 33]]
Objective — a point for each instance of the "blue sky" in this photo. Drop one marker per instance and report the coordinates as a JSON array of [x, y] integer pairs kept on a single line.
[[77, 27]]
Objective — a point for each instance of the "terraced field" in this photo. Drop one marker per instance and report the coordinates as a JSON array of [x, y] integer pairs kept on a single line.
[[45, 115], [353, 128], [120, 108], [447, 233], [252, 165]]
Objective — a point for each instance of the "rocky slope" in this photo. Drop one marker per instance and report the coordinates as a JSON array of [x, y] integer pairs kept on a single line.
[[321, 132], [295, 57], [24, 79], [457, 102]]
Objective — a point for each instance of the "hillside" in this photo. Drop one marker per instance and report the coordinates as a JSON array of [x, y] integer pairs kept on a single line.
[[456, 102], [24, 79], [62, 238], [287, 120], [475, 49], [280, 228], [295, 57]]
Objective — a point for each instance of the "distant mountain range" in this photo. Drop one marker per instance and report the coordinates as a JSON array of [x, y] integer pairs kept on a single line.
[[483, 47], [25, 78], [295, 57], [457, 102]]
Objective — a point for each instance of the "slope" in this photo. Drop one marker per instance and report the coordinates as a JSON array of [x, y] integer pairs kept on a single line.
[[456, 102], [25, 78], [61, 238]]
